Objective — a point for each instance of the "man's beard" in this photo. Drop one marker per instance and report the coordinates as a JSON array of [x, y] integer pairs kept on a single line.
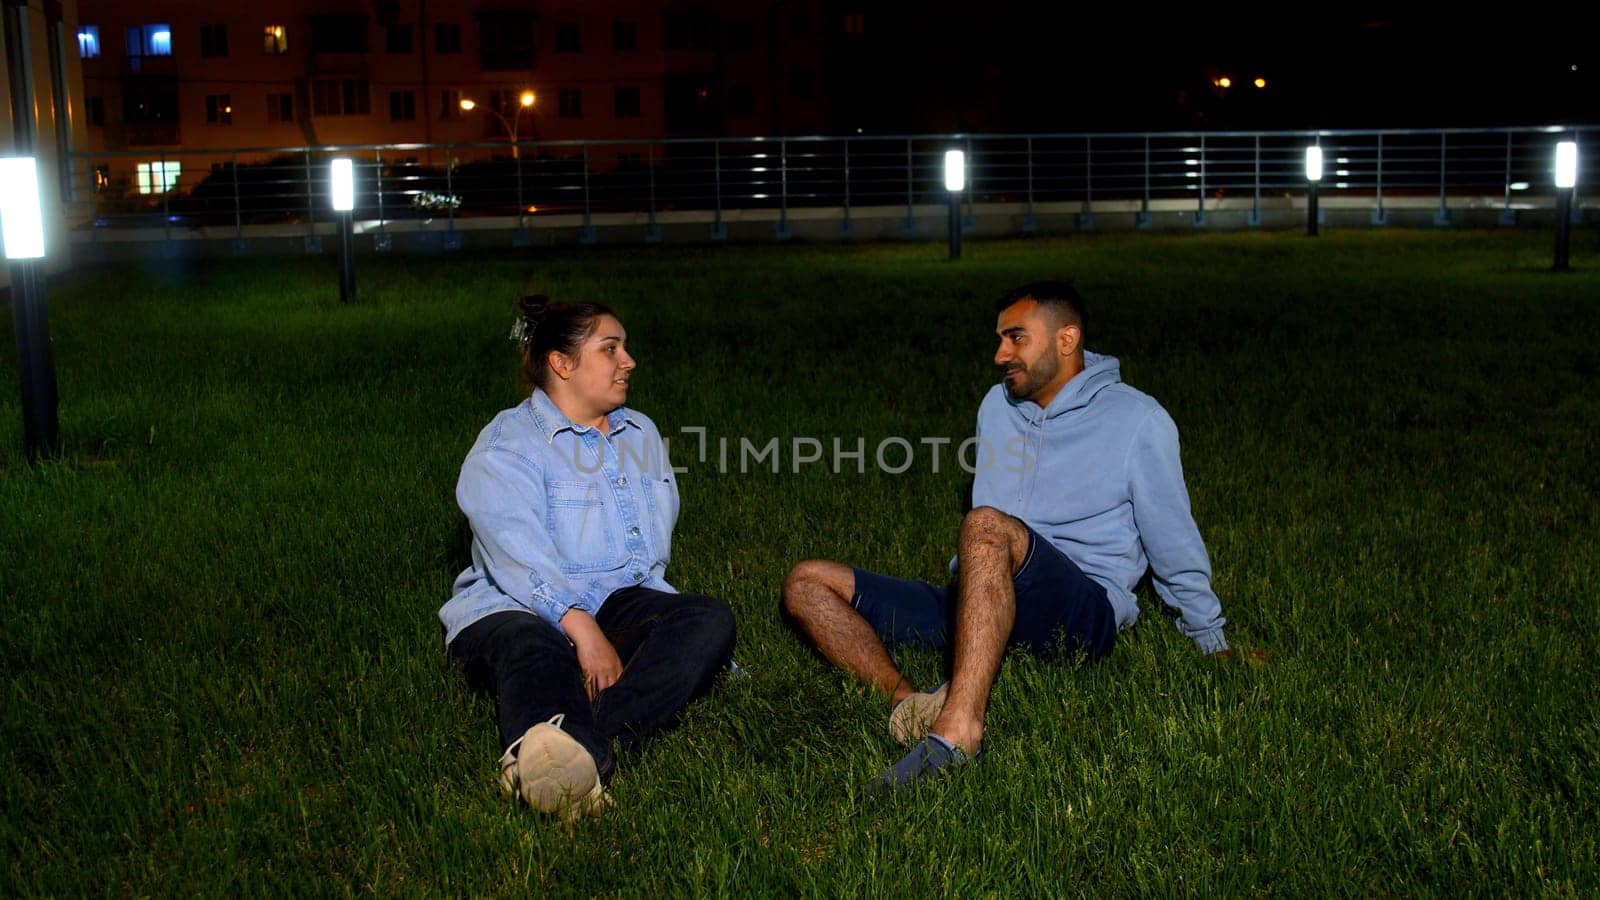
[[1033, 379]]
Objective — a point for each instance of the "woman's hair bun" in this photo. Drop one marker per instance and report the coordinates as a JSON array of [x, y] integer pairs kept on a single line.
[[534, 306], [544, 326]]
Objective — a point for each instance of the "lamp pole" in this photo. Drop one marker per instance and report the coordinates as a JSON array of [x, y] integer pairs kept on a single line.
[[525, 100], [1566, 185], [1313, 178], [955, 181], [22, 230], [342, 171], [22, 224]]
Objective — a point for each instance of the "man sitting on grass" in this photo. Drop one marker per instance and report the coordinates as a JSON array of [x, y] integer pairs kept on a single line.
[[1047, 560]]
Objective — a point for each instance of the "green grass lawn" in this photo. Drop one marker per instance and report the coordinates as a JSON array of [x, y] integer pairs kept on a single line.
[[224, 674]]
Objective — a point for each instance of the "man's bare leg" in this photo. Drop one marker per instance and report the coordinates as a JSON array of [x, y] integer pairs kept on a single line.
[[990, 551], [817, 594]]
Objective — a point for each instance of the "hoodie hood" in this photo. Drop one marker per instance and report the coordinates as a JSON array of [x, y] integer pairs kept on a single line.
[[1099, 372]]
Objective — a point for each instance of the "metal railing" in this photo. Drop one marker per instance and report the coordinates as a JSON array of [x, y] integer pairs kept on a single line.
[[399, 182]]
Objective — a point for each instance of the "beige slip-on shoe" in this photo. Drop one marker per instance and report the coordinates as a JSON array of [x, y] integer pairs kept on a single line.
[[912, 718], [551, 772]]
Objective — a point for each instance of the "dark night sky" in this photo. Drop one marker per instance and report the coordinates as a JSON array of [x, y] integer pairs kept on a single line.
[[1014, 68]]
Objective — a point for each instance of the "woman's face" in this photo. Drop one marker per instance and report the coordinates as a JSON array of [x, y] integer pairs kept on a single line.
[[598, 374]]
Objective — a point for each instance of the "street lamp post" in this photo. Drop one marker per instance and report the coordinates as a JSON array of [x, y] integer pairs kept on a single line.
[[22, 227], [955, 181], [1313, 177], [1566, 185], [525, 100], [343, 194]]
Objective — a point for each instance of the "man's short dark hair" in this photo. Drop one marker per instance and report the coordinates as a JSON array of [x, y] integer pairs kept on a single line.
[[1059, 297]]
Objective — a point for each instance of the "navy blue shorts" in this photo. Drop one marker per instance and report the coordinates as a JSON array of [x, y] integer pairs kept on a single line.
[[1060, 610]]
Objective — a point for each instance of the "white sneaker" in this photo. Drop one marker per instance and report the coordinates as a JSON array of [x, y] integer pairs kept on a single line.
[[553, 773], [912, 718]]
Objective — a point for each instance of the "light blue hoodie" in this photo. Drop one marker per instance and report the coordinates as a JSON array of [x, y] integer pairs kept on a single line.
[[1097, 473]]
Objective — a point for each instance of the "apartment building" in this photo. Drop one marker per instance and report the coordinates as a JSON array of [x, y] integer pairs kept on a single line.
[[164, 76]]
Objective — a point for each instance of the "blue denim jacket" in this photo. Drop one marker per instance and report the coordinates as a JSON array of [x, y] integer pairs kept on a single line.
[[561, 514]]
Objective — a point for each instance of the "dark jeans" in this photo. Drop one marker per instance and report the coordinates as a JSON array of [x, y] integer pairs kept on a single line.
[[671, 647]]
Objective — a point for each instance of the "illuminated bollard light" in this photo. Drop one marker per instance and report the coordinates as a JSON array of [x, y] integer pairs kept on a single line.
[[1313, 178], [22, 229], [344, 204], [1566, 186], [955, 181]]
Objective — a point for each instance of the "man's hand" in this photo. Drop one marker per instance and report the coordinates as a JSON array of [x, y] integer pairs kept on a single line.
[[598, 659], [1250, 656]]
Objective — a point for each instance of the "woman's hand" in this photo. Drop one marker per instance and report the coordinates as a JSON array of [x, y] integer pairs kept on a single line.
[[598, 659]]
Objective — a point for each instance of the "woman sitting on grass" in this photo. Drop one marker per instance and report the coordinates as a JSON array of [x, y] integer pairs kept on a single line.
[[565, 616]]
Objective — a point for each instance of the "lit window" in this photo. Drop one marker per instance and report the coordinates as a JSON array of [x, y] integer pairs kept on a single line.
[[149, 40], [157, 177], [275, 40], [89, 41]]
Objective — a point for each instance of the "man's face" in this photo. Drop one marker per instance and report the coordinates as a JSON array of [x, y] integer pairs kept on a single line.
[[1029, 354]]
